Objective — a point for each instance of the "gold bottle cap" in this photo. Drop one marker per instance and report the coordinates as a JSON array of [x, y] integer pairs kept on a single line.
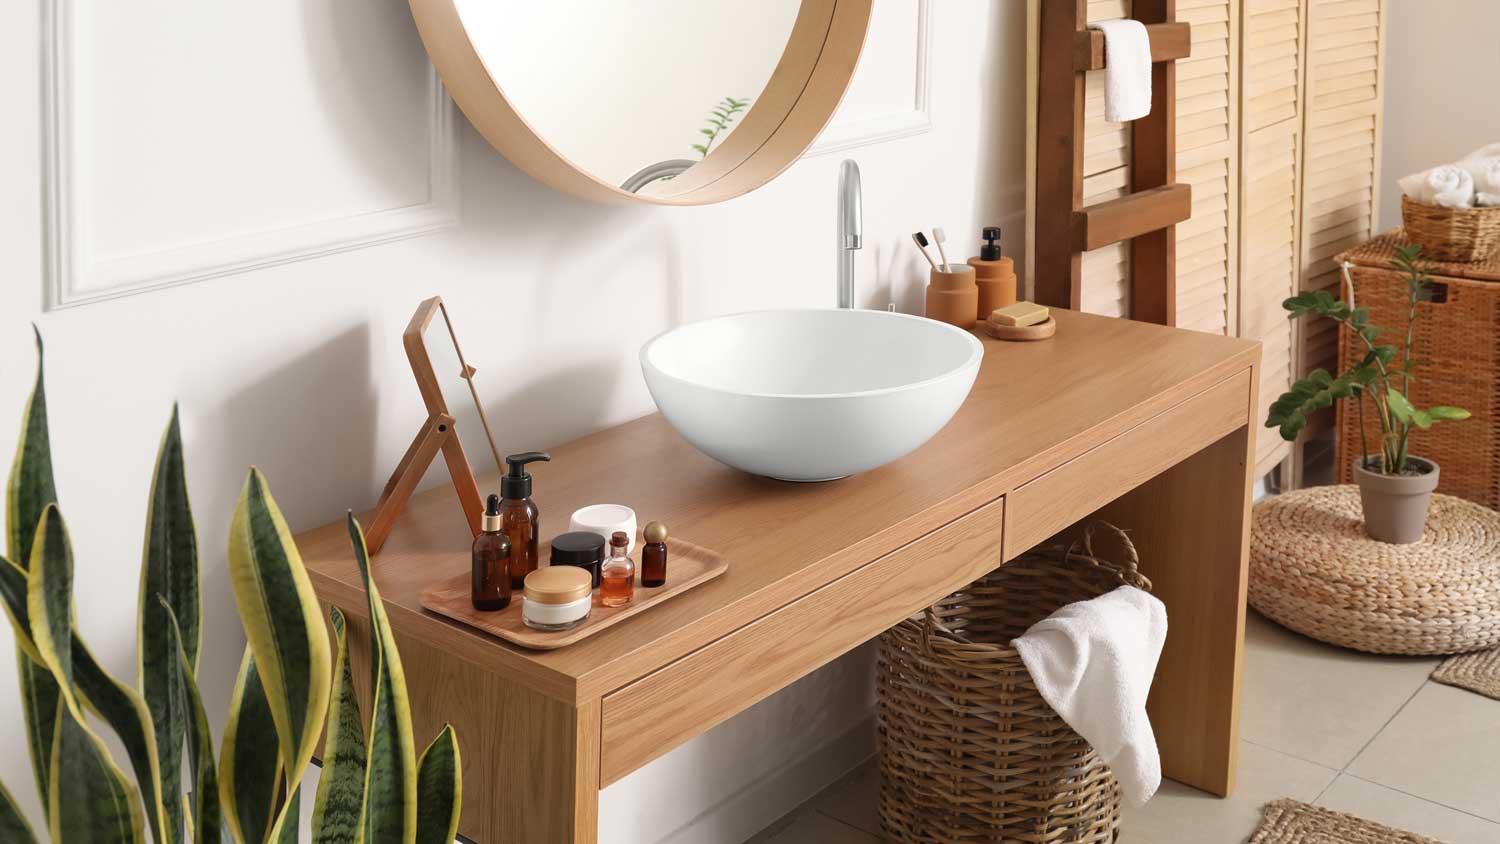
[[491, 524], [559, 585], [655, 532]]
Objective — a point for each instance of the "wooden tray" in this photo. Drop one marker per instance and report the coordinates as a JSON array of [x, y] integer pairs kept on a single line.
[[688, 565]]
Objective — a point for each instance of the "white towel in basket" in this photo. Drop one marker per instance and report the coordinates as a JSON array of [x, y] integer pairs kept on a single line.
[[1093, 662]]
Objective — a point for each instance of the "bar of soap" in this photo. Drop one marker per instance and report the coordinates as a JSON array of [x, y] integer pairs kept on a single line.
[[1020, 314]]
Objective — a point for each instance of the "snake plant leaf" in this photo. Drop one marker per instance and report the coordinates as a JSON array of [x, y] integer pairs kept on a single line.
[[169, 572], [390, 807], [49, 599], [125, 712], [440, 789], [249, 766], [13, 826], [280, 614], [31, 487], [90, 801], [205, 816], [289, 826], [341, 787], [13, 595]]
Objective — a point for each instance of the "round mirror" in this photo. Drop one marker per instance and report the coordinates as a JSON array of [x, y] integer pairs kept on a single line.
[[679, 102]]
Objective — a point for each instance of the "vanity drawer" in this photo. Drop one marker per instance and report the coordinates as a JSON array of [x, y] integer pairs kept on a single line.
[[658, 712], [1042, 507]]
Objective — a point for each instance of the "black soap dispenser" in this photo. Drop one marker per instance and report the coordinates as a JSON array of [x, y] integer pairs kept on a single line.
[[519, 515]]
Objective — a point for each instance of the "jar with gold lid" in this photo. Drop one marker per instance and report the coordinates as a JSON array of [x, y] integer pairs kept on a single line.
[[557, 598]]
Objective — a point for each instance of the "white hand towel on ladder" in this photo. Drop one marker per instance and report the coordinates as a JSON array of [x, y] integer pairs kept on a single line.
[[1093, 662], [1127, 70]]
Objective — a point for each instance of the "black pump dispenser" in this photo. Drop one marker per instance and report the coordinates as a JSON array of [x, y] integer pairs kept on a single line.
[[990, 251], [517, 482]]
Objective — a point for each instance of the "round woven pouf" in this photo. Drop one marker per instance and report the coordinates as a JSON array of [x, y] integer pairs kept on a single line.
[[1314, 569]]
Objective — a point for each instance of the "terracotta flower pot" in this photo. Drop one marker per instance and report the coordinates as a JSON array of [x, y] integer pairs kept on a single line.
[[1395, 506]]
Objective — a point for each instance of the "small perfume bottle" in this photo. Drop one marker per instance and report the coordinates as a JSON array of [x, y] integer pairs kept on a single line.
[[617, 577], [654, 556], [489, 585]]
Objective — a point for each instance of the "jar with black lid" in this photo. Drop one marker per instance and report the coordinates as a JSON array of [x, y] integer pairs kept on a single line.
[[579, 548]]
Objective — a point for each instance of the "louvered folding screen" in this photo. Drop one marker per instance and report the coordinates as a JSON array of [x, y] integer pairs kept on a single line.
[[1270, 159]]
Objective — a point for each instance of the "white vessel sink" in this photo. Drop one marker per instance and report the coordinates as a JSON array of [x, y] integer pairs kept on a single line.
[[810, 395]]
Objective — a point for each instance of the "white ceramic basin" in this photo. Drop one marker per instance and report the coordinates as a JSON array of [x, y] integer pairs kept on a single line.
[[810, 395]]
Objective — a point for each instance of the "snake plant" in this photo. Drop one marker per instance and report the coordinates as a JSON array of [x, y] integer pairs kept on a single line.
[[372, 790]]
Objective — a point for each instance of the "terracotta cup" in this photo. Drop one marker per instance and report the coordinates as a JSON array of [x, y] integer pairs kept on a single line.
[[952, 295]]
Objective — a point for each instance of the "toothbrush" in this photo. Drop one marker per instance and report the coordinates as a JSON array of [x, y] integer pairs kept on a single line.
[[921, 241], [941, 237]]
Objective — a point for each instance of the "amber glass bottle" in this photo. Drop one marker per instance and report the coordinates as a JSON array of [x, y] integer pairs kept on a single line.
[[617, 575], [490, 586], [519, 516], [654, 555]]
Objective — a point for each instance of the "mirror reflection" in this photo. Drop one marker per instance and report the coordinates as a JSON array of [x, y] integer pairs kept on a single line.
[[632, 92]]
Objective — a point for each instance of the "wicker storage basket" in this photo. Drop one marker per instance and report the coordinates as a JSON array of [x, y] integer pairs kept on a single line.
[[969, 751], [1451, 234], [1457, 343]]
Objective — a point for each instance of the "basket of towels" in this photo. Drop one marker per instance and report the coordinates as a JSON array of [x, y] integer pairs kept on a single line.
[[1453, 211], [1014, 709]]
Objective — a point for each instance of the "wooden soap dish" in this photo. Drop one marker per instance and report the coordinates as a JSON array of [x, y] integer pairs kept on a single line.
[[1040, 331], [688, 566]]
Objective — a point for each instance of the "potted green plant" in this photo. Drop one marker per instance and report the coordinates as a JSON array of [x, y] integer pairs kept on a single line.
[[1395, 487], [291, 685]]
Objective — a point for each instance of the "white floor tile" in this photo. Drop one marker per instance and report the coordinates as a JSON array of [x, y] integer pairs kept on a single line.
[[1443, 747], [815, 828], [1315, 701], [854, 800], [1181, 814], [1383, 805]]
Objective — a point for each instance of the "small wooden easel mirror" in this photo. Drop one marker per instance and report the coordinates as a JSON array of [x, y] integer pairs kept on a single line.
[[438, 433]]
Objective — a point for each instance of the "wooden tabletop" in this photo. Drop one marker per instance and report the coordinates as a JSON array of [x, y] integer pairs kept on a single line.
[[1034, 407]]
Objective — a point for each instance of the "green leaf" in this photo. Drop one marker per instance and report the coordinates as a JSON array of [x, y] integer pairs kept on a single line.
[[49, 599], [28, 491], [1307, 396], [390, 807], [291, 830], [31, 487], [280, 614], [249, 785], [440, 790], [13, 826], [125, 712], [13, 595], [169, 573], [341, 787], [90, 801], [1444, 413], [1400, 407], [207, 818]]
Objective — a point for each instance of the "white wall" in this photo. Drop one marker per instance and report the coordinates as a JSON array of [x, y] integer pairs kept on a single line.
[[1442, 85], [296, 366]]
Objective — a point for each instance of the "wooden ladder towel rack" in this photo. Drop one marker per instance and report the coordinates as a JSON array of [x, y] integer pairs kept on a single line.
[[1148, 216]]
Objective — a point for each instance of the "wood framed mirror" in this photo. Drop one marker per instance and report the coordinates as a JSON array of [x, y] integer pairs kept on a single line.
[[667, 102]]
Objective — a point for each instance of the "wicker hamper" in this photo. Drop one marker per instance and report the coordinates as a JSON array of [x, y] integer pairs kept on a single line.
[[969, 751], [1457, 344]]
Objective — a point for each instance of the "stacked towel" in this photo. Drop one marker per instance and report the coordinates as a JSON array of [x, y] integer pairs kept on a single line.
[[1093, 662], [1127, 70], [1472, 182], [1484, 166]]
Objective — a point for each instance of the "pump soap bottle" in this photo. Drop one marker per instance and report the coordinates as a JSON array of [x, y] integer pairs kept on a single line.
[[519, 515], [489, 587], [994, 274]]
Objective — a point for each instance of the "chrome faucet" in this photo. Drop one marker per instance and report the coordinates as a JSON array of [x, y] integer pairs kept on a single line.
[[851, 229]]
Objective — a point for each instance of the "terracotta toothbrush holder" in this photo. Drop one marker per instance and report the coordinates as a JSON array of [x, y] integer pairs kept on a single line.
[[953, 295]]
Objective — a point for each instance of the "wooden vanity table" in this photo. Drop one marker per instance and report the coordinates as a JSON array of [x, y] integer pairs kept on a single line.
[[1152, 428]]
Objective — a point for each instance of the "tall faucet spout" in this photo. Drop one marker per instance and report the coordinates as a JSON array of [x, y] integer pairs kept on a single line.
[[851, 230]]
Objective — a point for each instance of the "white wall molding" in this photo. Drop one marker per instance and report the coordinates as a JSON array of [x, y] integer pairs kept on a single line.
[[873, 129], [75, 276]]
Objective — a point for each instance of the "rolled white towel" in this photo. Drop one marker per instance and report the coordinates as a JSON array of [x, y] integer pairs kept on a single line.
[[1487, 200], [1486, 173], [1451, 186]]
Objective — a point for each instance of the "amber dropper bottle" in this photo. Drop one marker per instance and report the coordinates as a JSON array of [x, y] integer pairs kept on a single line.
[[490, 584], [519, 516]]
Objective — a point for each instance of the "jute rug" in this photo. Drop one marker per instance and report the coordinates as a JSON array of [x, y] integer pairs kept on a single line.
[[1478, 672], [1291, 822]]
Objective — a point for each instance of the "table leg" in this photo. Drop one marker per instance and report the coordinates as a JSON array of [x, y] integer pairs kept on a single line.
[[1191, 525]]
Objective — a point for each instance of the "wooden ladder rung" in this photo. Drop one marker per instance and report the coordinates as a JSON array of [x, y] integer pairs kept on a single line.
[[1169, 42], [1131, 216]]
